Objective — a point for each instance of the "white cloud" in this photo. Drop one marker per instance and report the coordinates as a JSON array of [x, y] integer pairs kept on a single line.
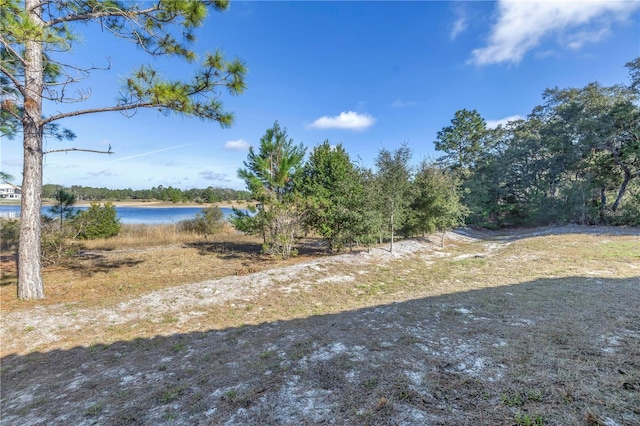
[[211, 175], [522, 25], [461, 22], [458, 27], [492, 124], [237, 145], [105, 172], [346, 120], [403, 104], [579, 39]]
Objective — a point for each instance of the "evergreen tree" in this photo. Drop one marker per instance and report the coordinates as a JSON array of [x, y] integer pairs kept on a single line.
[[64, 207], [462, 142], [97, 222], [332, 187], [393, 179], [271, 175], [437, 205]]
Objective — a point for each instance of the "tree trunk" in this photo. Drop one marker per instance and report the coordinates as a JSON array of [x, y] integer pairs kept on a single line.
[[392, 228], [603, 202], [583, 215], [30, 285], [623, 188]]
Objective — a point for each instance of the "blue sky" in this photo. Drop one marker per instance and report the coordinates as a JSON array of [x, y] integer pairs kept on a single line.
[[367, 74]]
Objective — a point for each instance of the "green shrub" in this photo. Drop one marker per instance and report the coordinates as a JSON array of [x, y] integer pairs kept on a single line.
[[628, 213], [9, 233], [97, 222], [208, 222]]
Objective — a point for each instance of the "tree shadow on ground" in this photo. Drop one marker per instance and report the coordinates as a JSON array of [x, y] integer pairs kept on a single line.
[[226, 249], [562, 350], [8, 269], [312, 247], [521, 232], [90, 264]]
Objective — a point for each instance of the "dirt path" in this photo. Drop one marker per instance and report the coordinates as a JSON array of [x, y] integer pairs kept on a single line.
[[492, 329]]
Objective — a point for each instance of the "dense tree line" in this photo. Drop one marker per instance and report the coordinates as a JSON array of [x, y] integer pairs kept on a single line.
[[339, 200], [574, 159], [175, 195]]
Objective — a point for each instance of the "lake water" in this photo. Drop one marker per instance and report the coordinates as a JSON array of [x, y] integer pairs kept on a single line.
[[130, 215]]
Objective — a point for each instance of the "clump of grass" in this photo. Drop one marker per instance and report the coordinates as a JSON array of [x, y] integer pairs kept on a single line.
[[518, 398], [171, 393], [178, 347], [370, 383], [403, 391], [93, 410], [523, 419], [237, 399]]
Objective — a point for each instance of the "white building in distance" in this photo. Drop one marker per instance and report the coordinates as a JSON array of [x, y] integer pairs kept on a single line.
[[10, 192]]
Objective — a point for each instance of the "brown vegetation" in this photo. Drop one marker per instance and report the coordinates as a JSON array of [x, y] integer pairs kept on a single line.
[[143, 258]]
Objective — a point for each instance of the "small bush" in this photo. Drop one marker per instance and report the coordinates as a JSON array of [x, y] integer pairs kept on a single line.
[[627, 215], [56, 246], [208, 222], [9, 233], [97, 222]]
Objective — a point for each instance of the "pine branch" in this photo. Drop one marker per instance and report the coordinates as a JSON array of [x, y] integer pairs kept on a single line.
[[102, 14], [13, 79], [11, 50]]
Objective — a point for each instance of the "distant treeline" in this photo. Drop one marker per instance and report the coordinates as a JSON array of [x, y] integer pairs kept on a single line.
[[175, 195]]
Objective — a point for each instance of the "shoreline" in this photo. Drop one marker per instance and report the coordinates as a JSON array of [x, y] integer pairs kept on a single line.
[[150, 204], [164, 204]]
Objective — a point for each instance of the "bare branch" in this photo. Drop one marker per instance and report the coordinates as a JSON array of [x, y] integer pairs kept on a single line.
[[82, 73], [94, 110], [53, 95], [109, 152]]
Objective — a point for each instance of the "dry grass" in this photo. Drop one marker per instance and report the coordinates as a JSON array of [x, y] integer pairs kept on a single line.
[[142, 236], [140, 259], [533, 327], [145, 236]]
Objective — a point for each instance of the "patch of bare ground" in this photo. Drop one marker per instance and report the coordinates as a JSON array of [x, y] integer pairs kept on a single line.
[[527, 327]]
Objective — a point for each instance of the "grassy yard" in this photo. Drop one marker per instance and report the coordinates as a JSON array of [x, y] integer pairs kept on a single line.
[[526, 327]]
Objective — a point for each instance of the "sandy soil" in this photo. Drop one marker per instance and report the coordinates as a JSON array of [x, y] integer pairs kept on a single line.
[[557, 349]]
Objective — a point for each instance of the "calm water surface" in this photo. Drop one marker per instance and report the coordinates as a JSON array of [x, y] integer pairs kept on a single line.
[[139, 215]]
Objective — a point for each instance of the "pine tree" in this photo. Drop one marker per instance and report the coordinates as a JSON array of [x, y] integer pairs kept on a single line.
[[32, 32], [270, 175]]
